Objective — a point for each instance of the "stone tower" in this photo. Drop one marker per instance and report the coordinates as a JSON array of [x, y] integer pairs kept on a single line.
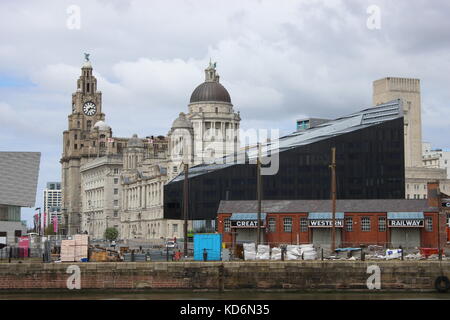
[[388, 89], [133, 153], [215, 124], [81, 142], [181, 145]]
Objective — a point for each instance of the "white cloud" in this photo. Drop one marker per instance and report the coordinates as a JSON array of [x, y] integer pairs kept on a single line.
[[280, 60]]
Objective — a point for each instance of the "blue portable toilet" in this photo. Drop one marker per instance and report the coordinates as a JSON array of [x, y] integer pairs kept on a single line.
[[212, 242]]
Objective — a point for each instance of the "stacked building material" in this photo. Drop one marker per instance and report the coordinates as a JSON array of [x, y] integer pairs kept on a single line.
[[275, 254], [67, 251], [249, 251], [263, 252], [293, 252], [81, 246], [308, 252]]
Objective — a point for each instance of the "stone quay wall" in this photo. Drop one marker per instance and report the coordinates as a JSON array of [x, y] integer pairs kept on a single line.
[[219, 276]]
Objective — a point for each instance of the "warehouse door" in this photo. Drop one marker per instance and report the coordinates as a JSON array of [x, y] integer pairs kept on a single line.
[[322, 237], [246, 235], [405, 237]]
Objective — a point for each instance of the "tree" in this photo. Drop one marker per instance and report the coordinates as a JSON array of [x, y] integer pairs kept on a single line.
[[49, 230], [111, 234]]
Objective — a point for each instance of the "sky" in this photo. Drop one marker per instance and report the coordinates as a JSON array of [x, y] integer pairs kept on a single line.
[[279, 60]]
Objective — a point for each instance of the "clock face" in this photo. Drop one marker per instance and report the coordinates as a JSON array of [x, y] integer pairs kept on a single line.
[[89, 108]]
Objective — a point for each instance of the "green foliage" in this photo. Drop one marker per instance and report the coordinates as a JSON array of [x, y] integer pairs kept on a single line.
[[49, 230], [111, 234]]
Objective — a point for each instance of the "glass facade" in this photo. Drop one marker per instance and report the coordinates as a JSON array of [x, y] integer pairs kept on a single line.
[[370, 165], [9, 213]]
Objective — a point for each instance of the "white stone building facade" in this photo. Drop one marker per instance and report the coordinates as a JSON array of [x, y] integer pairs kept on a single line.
[[101, 195]]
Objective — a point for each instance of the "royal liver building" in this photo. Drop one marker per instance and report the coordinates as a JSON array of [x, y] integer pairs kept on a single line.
[[110, 181]]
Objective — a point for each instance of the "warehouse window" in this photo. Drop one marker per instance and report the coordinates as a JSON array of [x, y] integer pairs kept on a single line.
[[381, 224], [303, 225], [287, 224], [227, 225], [272, 225], [349, 224], [429, 224], [365, 224]]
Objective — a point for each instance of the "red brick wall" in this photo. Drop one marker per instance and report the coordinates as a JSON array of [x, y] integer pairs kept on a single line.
[[280, 236], [353, 238], [357, 237], [226, 236]]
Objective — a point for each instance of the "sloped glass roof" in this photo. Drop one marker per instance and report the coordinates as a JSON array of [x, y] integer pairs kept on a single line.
[[353, 122]]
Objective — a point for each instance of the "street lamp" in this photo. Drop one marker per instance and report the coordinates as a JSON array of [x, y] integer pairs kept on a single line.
[[39, 224]]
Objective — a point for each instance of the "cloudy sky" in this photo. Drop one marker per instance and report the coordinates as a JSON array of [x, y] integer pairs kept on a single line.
[[280, 60]]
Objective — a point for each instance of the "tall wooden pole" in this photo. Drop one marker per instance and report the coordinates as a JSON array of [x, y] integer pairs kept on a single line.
[[258, 178], [333, 198], [185, 208]]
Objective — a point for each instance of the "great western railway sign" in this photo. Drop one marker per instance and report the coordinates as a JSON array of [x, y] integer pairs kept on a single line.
[[326, 223], [246, 224], [406, 223]]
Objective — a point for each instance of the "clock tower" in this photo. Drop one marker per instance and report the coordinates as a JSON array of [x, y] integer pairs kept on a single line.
[[80, 143]]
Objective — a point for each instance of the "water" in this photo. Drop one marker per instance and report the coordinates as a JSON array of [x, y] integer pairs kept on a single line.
[[232, 295]]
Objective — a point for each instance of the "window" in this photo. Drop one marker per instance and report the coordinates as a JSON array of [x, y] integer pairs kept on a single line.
[[227, 225], [116, 180], [381, 224], [175, 228], [116, 213], [272, 225], [429, 224], [349, 224], [303, 225], [89, 124], [287, 224], [175, 169], [116, 191], [365, 224], [116, 203], [75, 146], [116, 171]]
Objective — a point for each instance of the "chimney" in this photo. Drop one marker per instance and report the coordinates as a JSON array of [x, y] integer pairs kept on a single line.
[[433, 194]]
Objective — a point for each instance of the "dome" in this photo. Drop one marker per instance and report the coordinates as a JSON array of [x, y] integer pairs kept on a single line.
[[210, 91], [102, 126], [135, 142], [87, 64], [182, 122]]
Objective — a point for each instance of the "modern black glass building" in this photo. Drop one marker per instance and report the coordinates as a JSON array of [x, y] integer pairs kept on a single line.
[[369, 156]]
